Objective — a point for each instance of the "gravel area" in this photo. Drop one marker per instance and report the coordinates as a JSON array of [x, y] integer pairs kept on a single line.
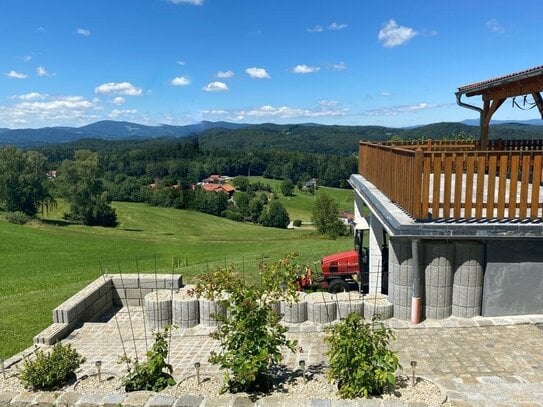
[[377, 299], [348, 296], [11, 382], [91, 385], [319, 297]]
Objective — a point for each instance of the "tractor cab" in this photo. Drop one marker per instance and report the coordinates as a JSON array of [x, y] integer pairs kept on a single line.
[[348, 270]]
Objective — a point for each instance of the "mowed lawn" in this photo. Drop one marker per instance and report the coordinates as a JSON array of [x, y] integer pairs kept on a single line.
[[45, 262], [300, 206]]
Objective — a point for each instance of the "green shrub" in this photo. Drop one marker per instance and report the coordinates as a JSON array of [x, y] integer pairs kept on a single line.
[[360, 359], [48, 371], [154, 374], [250, 333], [17, 217], [297, 223]]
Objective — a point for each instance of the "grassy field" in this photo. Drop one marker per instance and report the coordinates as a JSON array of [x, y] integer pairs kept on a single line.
[[45, 262], [300, 205]]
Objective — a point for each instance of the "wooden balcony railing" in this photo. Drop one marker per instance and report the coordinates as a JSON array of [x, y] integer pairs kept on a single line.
[[447, 180]]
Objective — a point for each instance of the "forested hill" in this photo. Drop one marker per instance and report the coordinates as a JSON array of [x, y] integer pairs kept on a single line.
[[343, 140], [324, 139]]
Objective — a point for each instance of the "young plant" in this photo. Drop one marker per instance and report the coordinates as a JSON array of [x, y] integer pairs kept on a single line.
[[250, 333], [360, 359], [48, 371], [154, 374]]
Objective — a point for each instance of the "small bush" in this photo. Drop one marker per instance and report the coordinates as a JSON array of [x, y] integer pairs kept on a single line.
[[48, 371], [360, 359], [297, 223], [154, 374], [18, 218]]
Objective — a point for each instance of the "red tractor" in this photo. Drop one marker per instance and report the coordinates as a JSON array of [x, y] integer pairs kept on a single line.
[[349, 270]]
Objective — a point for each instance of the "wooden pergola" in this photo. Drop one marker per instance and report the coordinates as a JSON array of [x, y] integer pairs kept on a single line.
[[495, 91]]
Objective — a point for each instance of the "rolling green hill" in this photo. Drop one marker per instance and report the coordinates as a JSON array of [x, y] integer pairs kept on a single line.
[[45, 262]]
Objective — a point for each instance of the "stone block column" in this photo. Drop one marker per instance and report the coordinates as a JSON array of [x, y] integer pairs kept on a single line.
[[400, 279]]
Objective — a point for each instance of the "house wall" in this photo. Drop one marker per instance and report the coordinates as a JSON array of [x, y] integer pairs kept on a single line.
[[513, 279]]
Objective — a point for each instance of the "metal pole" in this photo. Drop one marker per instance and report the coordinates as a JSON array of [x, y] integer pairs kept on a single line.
[[416, 301]]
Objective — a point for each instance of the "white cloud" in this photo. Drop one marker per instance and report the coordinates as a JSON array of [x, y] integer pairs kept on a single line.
[[83, 31], [494, 26], [215, 87], [193, 2], [16, 75], [339, 66], [27, 58], [269, 112], [118, 88], [316, 29], [182, 63], [32, 96], [304, 69], [41, 29], [225, 74], [386, 93], [335, 26], [118, 101], [328, 103], [392, 34], [116, 113], [257, 73], [43, 110], [41, 71], [396, 110], [180, 81]]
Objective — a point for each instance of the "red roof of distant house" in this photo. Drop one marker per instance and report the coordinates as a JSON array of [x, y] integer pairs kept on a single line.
[[211, 187], [502, 80], [228, 188]]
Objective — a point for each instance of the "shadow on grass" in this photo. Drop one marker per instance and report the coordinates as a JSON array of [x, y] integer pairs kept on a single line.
[[57, 222]]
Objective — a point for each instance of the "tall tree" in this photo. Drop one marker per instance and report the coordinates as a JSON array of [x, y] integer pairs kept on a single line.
[[23, 180], [81, 184], [276, 216], [325, 216]]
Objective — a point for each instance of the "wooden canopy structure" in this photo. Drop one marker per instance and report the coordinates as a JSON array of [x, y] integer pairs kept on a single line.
[[495, 91]]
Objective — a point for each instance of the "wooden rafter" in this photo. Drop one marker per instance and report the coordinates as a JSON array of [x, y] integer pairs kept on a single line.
[[495, 91]]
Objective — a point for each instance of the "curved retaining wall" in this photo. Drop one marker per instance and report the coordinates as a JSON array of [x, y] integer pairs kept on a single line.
[[158, 309], [468, 279], [438, 279], [185, 309], [400, 280]]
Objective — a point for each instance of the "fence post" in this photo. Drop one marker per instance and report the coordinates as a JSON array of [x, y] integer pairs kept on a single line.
[[417, 184]]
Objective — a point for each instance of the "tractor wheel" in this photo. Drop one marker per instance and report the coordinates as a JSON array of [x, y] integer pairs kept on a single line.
[[338, 285]]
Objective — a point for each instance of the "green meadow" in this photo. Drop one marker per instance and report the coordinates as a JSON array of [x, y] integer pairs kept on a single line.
[[46, 261]]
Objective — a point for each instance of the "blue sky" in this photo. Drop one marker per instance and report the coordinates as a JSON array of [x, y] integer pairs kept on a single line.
[[393, 63]]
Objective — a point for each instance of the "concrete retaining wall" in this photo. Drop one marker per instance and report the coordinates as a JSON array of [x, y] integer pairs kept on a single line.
[[400, 284], [468, 279], [438, 277], [99, 297]]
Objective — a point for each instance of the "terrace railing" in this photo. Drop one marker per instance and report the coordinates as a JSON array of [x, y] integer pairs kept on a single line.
[[444, 180]]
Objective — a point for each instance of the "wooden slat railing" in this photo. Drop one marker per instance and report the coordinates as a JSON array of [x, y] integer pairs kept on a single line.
[[456, 184]]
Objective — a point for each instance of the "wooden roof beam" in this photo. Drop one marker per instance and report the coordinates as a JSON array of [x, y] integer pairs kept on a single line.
[[539, 102], [513, 90]]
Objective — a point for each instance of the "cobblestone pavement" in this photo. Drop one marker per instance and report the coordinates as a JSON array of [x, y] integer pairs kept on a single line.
[[479, 365]]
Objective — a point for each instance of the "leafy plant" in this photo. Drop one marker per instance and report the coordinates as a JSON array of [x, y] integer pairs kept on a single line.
[[360, 359], [250, 334], [297, 223], [155, 374], [17, 217], [48, 371]]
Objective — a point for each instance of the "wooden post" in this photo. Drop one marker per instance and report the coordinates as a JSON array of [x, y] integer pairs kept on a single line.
[[417, 184]]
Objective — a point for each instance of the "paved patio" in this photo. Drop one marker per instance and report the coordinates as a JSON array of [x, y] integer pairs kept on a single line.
[[476, 365]]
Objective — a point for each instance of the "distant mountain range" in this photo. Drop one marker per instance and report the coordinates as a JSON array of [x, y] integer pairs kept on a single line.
[[242, 135], [105, 130], [532, 122]]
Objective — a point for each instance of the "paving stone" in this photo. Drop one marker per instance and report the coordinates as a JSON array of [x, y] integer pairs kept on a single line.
[[89, 400], [137, 399], [394, 403], [320, 403], [5, 397], [45, 399], [23, 399], [113, 400], [216, 402], [160, 400], [67, 399], [242, 401], [189, 400]]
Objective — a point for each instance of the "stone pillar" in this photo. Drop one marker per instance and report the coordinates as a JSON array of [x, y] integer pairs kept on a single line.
[[400, 278], [468, 279], [358, 205], [376, 243], [438, 278]]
